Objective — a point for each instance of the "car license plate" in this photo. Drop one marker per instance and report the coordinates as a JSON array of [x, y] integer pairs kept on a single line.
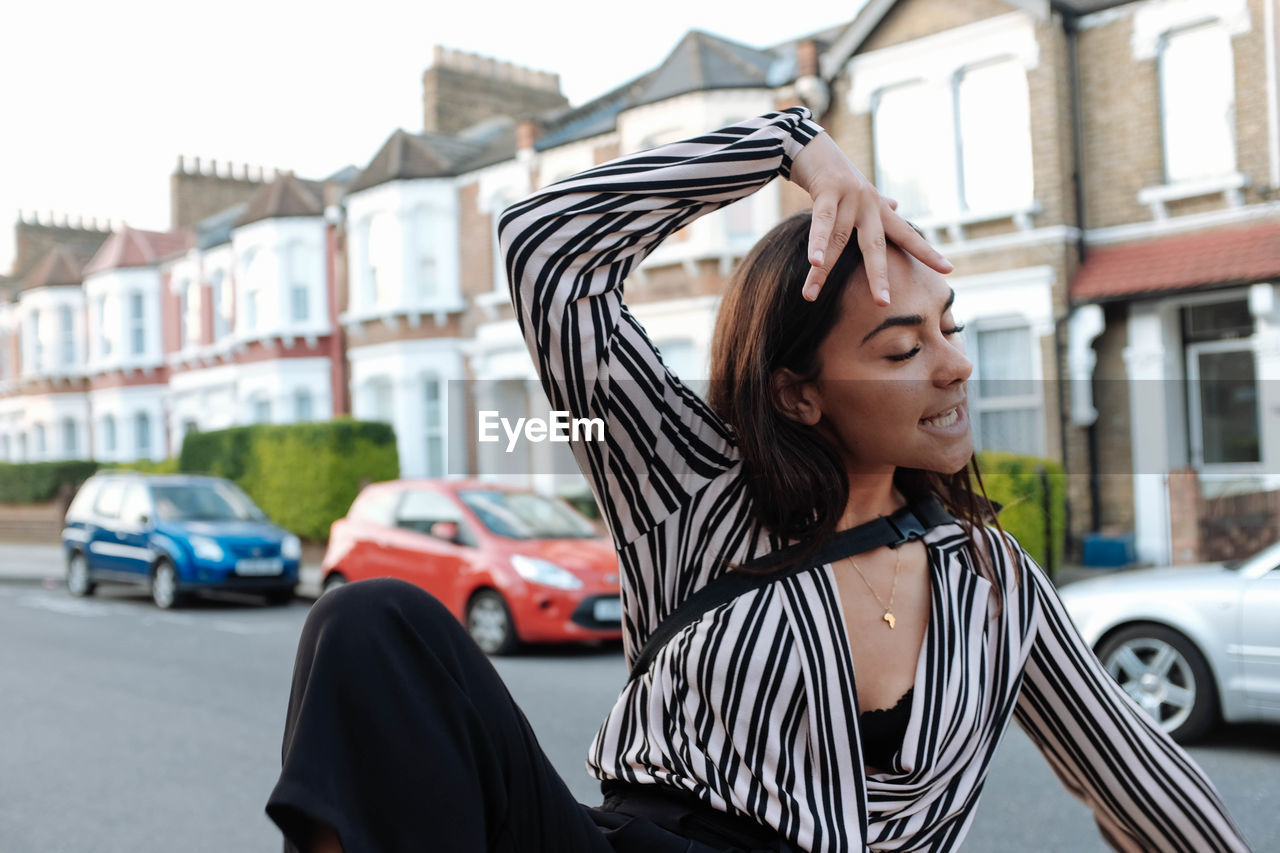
[[263, 566], [608, 610]]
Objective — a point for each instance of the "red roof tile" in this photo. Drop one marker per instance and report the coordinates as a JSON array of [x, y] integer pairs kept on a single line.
[[1223, 256], [131, 247]]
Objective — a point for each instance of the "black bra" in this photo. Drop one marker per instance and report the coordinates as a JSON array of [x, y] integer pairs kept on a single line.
[[882, 732]]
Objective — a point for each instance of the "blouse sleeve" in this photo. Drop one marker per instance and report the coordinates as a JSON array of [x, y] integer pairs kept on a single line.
[[1145, 792], [568, 249]]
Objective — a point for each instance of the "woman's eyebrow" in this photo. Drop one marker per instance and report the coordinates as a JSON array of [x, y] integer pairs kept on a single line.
[[906, 319]]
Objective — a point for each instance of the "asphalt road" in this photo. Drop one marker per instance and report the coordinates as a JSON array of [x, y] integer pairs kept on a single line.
[[129, 729]]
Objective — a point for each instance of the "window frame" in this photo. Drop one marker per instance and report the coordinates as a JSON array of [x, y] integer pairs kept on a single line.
[[1163, 99]]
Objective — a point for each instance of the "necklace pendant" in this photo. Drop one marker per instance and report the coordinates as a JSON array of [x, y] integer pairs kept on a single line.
[[888, 617]]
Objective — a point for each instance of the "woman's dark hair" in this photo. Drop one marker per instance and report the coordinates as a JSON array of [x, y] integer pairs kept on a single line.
[[795, 477]]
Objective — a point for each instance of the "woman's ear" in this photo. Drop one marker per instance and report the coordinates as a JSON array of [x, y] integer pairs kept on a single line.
[[796, 399]]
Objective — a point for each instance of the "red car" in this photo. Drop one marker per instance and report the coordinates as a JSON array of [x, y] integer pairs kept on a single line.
[[514, 566]]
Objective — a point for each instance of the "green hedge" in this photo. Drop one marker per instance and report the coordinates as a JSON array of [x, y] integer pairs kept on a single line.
[[303, 476], [146, 466], [39, 482], [1018, 482]]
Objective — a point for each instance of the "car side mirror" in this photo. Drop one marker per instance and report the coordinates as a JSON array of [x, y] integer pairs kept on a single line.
[[446, 530]]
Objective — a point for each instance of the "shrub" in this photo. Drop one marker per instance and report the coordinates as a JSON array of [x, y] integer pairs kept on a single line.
[[1020, 483]]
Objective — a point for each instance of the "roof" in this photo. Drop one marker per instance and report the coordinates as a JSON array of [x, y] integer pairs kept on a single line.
[[55, 267], [132, 247], [409, 156], [873, 12], [699, 62], [703, 61], [1206, 259], [216, 230], [285, 196]]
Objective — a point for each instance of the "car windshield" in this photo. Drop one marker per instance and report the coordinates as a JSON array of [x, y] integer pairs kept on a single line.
[[524, 515], [203, 502]]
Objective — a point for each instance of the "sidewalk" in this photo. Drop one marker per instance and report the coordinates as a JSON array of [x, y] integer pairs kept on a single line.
[[43, 564], [40, 563]]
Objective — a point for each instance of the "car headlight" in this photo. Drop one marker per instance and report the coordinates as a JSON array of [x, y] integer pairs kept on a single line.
[[291, 548], [541, 571], [206, 549]]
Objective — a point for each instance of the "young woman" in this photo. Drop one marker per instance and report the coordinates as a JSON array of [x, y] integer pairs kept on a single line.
[[855, 705]]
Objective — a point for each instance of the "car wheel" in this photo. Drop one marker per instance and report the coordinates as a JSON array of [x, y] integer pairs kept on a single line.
[[164, 586], [1166, 675], [490, 624], [333, 581], [79, 582]]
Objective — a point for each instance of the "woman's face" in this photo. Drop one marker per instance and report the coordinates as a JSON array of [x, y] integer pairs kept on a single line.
[[891, 391]]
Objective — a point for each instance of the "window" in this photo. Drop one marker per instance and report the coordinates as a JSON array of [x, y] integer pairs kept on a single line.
[[299, 293], [994, 123], [4, 448], [252, 285], [1004, 400], [1222, 396], [377, 506], [70, 444], [959, 146], [67, 335], [191, 309], [261, 410], [221, 305], [913, 160], [381, 257], [22, 447], [106, 328], [1197, 100], [137, 324], [109, 434], [136, 505], [302, 405], [41, 446], [109, 500], [5, 366], [142, 433], [426, 288], [677, 356], [420, 509], [37, 350], [433, 426]]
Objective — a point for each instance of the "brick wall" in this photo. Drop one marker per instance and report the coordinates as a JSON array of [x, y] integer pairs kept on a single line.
[[475, 244], [1123, 141], [453, 100], [196, 193]]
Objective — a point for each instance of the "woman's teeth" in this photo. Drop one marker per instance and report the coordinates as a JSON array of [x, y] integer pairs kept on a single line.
[[945, 419]]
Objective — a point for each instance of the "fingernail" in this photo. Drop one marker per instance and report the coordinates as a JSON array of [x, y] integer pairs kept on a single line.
[[808, 292], [884, 294], [818, 256]]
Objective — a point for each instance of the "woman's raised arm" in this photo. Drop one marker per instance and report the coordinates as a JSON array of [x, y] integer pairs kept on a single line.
[[1145, 792], [567, 250]]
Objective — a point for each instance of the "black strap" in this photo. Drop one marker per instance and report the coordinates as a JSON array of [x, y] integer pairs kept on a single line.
[[910, 522]]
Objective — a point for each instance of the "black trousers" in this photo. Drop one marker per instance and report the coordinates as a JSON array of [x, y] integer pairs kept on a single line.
[[401, 735]]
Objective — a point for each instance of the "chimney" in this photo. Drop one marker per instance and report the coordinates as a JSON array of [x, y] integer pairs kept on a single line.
[[806, 59], [527, 133]]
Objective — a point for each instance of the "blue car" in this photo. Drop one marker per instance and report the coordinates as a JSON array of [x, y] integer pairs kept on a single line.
[[175, 535]]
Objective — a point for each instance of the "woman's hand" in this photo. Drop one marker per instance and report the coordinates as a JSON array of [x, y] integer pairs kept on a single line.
[[844, 200]]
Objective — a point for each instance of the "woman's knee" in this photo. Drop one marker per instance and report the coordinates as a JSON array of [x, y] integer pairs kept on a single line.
[[377, 605]]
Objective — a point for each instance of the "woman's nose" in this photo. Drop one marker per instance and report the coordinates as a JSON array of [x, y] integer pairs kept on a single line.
[[955, 366]]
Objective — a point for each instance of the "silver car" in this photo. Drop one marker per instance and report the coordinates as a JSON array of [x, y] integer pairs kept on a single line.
[[1191, 644]]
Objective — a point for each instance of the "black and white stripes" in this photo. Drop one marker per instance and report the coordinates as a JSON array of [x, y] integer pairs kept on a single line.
[[752, 708]]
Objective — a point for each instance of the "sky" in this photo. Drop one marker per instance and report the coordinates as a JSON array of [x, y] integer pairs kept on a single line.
[[99, 99]]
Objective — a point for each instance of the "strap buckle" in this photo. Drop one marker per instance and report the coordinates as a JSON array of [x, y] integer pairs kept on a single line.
[[906, 526]]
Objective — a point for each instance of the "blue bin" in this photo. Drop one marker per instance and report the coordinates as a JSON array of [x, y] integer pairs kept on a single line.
[[1108, 551]]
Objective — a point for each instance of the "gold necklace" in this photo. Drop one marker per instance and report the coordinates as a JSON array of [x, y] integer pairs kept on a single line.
[[888, 608]]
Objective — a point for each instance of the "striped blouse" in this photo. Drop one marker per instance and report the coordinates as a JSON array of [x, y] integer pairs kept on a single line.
[[753, 708]]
